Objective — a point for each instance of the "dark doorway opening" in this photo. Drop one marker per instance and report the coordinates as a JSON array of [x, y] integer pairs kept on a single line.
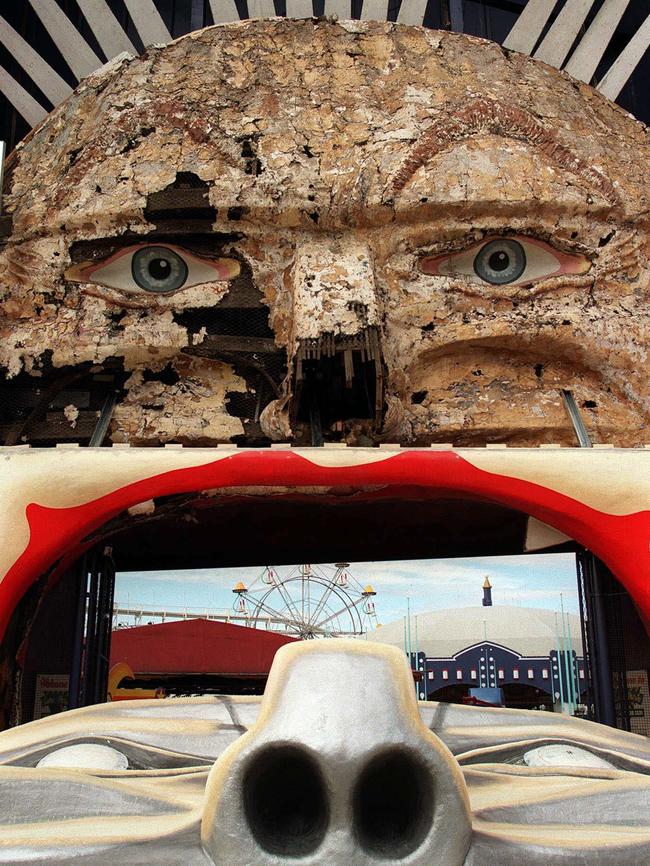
[[452, 694], [522, 696], [62, 626], [516, 695]]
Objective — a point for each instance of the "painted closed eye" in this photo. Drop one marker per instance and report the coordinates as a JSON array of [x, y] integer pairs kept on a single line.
[[565, 755], [507, 261], [156, 268], [85, 756]]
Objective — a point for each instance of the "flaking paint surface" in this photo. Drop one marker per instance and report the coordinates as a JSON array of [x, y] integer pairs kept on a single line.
[[335, 157]]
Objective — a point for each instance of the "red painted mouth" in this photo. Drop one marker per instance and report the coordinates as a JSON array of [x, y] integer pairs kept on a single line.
[[60, 534]]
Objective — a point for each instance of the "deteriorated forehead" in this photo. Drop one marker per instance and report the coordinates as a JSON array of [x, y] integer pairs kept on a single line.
[[350, 120]]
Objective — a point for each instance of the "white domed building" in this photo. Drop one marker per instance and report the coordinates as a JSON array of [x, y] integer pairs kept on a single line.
[[523, 650]]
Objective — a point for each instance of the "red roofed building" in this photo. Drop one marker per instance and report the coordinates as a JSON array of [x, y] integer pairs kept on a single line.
[[197, 656]]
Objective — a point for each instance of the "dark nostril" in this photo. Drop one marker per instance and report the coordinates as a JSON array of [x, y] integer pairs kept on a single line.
[[285, 801], [393, 805]]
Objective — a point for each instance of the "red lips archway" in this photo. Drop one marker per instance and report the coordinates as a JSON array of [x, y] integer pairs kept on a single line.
[[595, 497]]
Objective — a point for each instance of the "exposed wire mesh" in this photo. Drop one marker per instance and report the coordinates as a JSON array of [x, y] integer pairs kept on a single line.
[[60, 406]]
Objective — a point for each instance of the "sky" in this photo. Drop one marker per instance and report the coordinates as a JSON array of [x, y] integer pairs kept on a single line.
[[534, 580]]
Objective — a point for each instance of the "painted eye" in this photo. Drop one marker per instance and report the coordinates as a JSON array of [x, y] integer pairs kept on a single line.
[[500, 262], [85, 756], [565, 755], [507, 261], [159, 269]]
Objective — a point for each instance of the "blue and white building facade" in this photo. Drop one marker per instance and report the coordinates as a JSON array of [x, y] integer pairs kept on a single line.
[[494, 646], [489, 664]]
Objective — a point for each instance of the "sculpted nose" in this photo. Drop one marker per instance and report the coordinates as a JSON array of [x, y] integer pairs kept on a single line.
[[337, 369], [334, 288], [339, 769]]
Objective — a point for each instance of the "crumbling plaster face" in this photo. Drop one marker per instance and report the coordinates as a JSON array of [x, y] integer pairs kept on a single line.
[[337, 158]]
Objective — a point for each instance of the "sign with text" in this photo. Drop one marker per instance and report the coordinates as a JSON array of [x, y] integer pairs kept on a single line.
[[51, 694], [638, 697]]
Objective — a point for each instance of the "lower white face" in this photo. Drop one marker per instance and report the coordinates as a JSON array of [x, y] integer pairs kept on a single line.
[[336, 765]]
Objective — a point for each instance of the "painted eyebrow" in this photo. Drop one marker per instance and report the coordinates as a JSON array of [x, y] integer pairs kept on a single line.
[[480, 115]]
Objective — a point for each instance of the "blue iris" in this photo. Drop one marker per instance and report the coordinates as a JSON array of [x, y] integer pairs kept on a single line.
[[158, 269], [500, 262]]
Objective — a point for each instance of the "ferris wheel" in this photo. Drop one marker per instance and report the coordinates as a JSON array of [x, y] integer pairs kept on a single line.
[[309, 601]]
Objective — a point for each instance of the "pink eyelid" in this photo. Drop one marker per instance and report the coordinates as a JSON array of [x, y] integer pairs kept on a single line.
[[222, 267], [567, 263]]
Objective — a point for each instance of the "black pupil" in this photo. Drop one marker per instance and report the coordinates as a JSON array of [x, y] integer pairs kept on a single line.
[[499, 261], [159, 269]]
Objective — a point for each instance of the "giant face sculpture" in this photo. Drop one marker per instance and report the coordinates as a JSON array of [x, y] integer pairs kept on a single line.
[[314, 231], [308, 230]]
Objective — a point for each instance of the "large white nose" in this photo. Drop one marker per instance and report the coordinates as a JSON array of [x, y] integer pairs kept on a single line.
[[339, 770]]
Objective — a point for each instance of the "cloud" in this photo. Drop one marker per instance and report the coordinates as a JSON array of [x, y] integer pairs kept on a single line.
[[533, 580], [508, 573], [398, 573], [221, 577]]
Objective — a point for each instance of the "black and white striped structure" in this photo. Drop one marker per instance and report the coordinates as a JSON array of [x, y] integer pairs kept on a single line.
[[49, 46]]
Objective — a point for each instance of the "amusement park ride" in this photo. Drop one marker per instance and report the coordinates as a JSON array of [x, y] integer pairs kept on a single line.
[[308, 602]]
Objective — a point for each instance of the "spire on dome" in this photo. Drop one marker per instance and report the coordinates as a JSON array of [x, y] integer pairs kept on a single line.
[[487, 592]]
